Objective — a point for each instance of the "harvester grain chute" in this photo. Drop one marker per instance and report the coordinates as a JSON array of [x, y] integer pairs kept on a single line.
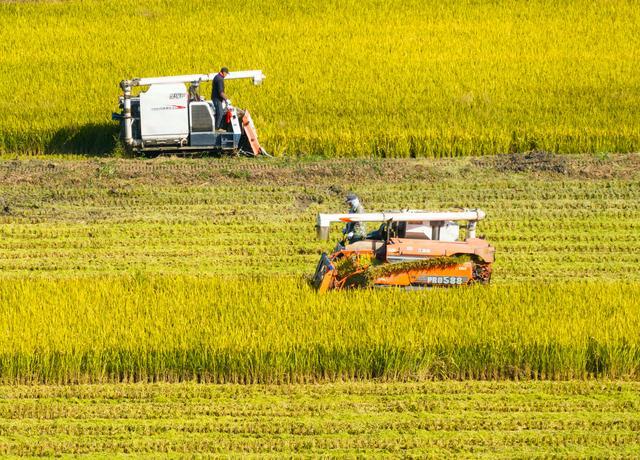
[[411, 249], [169, 118]]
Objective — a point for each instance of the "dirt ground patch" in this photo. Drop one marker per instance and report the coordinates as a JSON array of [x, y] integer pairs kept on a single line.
[[540, 162], [327, 175], [534, 161]]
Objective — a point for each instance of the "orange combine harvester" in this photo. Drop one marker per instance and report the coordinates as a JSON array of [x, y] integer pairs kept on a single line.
[[411, 249]]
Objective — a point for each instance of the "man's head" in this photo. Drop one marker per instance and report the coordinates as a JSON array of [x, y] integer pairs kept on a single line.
[[352, 200], [224, 71]]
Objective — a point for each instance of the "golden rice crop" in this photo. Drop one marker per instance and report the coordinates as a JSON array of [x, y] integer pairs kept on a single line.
[[345, 78], [229, 329]]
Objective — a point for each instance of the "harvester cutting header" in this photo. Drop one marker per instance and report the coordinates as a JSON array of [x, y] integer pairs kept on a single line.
[[169, 117], [411, 249]]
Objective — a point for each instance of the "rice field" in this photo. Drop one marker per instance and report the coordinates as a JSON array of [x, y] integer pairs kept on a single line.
[[345, 420], [232, 330], [191, 270], [159, 308], [344, 78]]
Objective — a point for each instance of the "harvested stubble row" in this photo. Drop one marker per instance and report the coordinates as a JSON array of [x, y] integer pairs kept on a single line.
[[482, 419], [206, 217]]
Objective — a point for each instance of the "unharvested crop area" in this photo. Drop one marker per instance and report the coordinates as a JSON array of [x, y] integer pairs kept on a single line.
[[279, 331], [118, 270], [441, 419], [345, 78]]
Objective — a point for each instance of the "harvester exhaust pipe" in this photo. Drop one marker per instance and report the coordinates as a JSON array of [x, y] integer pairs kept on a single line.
[[322, 233], [471, 229], [127, 118]]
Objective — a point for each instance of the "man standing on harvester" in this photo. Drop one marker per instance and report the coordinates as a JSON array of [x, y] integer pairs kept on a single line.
[[218, 96], [354, 231]]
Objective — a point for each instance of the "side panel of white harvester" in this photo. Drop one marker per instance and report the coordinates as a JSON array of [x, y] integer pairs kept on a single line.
[[164, 115]]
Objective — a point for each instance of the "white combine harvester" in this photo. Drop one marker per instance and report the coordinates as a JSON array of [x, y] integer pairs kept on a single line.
[[169, 117]]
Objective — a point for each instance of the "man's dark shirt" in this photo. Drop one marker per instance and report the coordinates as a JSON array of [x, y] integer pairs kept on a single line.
[[218, 87]]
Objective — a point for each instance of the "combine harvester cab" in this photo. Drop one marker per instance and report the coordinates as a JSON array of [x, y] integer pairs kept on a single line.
[[411, 249], [168, 117]]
